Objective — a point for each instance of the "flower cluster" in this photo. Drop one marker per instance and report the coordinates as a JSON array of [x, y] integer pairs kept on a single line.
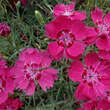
[[71, 38], [32, 68]]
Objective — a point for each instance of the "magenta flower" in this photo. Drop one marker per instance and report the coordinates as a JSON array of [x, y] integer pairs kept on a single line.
[[6, 81], [11, 104], [103, 29], [68, 10], [33, 67], [4, 30], [68, 36], [94, 77]]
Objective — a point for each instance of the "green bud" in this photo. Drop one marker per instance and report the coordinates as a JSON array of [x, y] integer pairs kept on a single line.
[[39, 17], [18, 4]]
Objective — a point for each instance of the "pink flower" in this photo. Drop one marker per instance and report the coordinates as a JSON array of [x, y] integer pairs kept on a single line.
[[6, 81], [11, 104], [33, 67], [68, 36], [68, 10], [4, 30], [103, 29], [94, 77]]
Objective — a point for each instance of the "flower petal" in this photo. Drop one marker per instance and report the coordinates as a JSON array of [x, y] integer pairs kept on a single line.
[[60, 9], [79, 30], [47, 78], [58, 25], [30, 89], [103, 43], [104, 54], [3, 97], [75, 71], [91, 59], [76, 49], [55, 50], [97, 15], [107, 19], [84, 92], [79, 15]]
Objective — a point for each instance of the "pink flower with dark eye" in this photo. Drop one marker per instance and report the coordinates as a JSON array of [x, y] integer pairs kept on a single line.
[[94, 77], [33, 67], [68, 36], [102, 29], [68, 11], [4, 30], [11, 104]]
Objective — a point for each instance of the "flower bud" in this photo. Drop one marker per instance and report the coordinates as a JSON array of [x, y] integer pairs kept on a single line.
[[39, 17], [18, 4]]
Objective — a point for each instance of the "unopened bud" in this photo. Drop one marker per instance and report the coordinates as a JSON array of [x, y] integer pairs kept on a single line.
[[18, 4], [39, 17]]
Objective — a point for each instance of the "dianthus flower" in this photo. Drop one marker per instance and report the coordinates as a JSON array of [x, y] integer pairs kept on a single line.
[[102, 29], [11, 104], [4, 30], [68, 35], [6, 81], [33, 67], [94, 77], [68, 11]]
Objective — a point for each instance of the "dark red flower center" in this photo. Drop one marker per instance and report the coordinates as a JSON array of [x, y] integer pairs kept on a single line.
[[65, 38], [91, 76], [33, 71]]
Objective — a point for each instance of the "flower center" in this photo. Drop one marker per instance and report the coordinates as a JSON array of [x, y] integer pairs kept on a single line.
[[104, 28], [91, 76], [31, 71], [66, 38], [68, 13]]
